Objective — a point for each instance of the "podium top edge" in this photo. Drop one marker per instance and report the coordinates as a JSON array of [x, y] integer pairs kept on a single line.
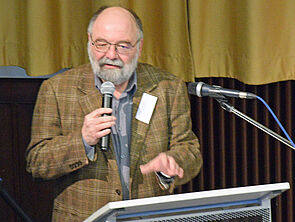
[[204, 194]]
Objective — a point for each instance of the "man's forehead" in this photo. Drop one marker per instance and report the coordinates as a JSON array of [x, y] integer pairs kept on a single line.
[[116, 16], [117, 22]]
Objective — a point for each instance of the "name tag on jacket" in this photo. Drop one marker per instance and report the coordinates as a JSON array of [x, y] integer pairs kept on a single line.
[[146, 107]]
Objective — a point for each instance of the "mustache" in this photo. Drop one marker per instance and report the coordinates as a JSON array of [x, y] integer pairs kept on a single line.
[[115, 62]]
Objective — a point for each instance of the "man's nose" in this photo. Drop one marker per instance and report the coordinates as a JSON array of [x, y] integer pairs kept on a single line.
[[112, 52]]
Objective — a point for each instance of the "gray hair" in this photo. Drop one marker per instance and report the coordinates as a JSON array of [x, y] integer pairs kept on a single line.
[[101, 9]]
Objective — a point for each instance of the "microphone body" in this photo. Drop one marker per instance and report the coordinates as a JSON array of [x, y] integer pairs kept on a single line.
[[202, 89], [107, 89]]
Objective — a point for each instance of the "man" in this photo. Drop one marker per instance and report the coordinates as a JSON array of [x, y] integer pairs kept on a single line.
[[152, 147]]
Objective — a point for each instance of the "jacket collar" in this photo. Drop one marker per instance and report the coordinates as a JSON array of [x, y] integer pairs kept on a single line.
[[90, 98]]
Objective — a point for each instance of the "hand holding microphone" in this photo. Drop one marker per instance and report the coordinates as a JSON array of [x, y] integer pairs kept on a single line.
[[107, 89], [97, 124]]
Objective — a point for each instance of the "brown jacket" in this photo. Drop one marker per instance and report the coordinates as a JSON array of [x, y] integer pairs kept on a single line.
[[56, 149]]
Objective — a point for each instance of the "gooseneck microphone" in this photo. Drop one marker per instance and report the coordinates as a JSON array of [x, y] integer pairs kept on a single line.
[[202, 89], [107, 89]]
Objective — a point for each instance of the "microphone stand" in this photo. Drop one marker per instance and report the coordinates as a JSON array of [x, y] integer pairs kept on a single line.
[[12, 203], [222, 100]]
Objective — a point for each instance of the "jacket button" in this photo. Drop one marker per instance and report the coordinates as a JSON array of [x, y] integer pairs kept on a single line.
[[118, 191]]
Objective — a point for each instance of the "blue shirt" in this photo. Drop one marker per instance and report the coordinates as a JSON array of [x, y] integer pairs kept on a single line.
[[121, 131]]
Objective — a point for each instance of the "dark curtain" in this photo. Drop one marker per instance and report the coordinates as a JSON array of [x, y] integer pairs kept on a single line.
[[238, 154]]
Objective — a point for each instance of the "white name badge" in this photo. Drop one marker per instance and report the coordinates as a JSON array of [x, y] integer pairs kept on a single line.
[[146, 107]]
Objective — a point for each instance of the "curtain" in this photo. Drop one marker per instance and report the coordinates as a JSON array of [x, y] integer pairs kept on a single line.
[[238, 154], [45, 36], [249, 40]]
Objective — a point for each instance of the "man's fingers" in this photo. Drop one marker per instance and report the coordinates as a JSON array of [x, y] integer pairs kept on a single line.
[[100, 111], [162, 163], [103, 133], [180, 172], [146, 168], [171, 163], [104, 122], [173, 169], [96, 126]]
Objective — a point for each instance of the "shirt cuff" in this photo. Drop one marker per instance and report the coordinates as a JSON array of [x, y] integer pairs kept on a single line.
[[90, 150]]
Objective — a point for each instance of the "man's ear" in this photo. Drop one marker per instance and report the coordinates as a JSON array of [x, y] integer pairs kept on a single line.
[[89, 36], [140, 46]]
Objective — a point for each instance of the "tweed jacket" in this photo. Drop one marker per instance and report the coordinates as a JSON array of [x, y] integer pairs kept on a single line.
[[56, 150]]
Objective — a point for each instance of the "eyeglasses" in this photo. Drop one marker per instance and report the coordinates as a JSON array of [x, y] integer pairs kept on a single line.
[[124, 48]]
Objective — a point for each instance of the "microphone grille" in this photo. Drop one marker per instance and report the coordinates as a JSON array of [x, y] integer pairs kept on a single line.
[[107, 88], [192, 88]]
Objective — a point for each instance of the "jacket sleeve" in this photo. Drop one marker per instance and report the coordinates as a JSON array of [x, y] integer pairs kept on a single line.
[[184, 145], [51, 154]]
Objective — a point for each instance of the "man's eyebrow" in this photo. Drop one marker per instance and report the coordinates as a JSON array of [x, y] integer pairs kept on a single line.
[[100, 40], [103, 40]]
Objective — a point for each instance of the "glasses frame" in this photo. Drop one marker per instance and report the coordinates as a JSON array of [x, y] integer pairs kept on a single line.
[[114, 44]]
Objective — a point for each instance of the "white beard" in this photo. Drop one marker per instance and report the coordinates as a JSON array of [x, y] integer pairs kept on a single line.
[[116, 76]]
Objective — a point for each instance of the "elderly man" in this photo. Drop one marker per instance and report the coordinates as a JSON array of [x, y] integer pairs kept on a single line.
[[152, 146]]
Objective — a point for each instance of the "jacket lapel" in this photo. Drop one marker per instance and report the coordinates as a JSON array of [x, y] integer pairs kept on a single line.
[[139, 129], [90, 102], [90, 97]]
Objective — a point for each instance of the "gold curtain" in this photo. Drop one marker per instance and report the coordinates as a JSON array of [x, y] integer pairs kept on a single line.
[[249, 40]]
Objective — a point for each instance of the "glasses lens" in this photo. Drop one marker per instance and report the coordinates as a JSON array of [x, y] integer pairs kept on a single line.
[[101, 46], [123, 48]]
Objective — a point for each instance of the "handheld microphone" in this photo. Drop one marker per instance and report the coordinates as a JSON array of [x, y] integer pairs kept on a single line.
[[107, 89], [202, 89]]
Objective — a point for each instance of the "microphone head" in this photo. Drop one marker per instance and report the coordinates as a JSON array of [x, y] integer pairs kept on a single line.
[[194, 88], [107, 88]]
